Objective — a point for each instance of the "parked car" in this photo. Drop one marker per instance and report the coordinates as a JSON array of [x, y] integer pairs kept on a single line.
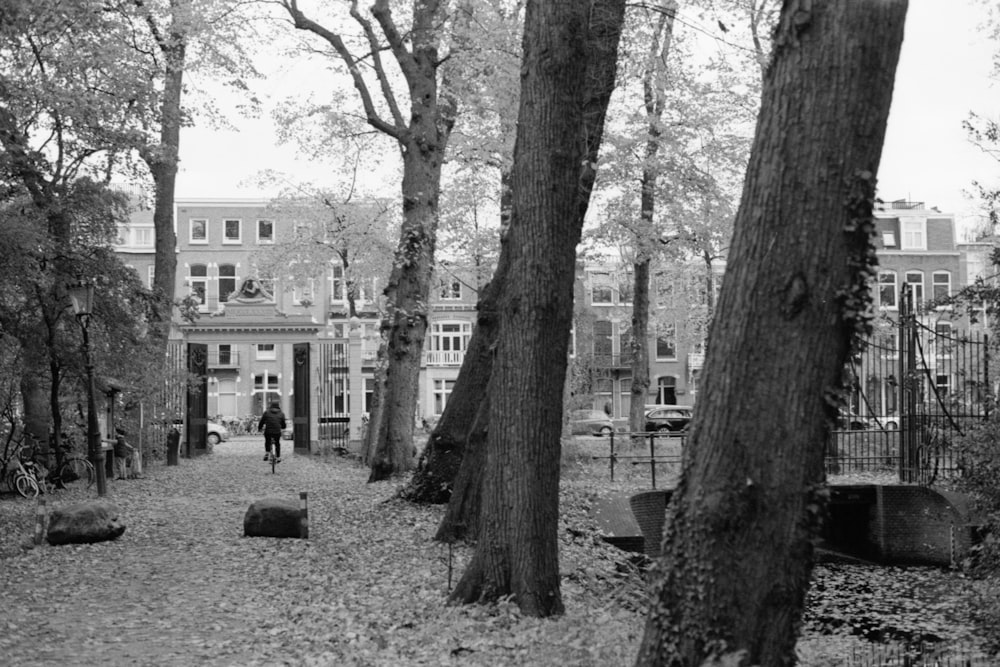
[[216, 433], [669, 418], [590, 422]]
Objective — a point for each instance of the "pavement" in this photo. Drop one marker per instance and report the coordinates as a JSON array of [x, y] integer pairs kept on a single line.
[[182, 586]]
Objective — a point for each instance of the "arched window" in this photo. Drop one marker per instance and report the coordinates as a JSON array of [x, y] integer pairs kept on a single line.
[[666, 390]]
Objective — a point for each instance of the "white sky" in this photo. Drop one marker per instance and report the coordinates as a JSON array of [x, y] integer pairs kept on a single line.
[[942, 75]]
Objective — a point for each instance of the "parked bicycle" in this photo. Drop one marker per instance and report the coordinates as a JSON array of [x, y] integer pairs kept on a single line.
[[20, 476]]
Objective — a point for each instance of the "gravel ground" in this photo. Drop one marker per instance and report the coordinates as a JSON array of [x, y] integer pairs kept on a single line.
[[183, 586]]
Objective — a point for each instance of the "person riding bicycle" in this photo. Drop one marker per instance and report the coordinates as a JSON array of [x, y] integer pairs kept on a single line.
[[272, 422]]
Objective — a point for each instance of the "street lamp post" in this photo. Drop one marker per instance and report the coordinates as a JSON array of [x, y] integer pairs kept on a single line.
[[82, 297]]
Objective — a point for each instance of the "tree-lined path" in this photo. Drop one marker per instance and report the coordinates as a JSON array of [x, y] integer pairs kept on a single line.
[[183, 586]]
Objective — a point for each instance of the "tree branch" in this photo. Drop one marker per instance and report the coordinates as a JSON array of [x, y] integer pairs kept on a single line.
[[377, 63], [302, 22]]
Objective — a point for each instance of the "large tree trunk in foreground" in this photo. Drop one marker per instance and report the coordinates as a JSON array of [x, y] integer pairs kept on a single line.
[[737, 548], [568, 70]]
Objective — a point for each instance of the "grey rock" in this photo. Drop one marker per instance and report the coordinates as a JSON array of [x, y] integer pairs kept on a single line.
[[82, 523], [273, 517]]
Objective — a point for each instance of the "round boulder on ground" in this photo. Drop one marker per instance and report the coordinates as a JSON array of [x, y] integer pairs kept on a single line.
[[274, 517], [82, 523]]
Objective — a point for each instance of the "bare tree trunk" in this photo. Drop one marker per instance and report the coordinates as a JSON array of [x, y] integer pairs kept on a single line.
[[737, 545], [162, 162], [654, 100], [570, 56]]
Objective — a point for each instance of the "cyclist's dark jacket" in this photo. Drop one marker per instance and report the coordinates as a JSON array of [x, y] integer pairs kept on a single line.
[[272, 421]]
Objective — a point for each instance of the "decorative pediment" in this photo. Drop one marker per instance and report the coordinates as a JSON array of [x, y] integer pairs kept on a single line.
[[252, 291]]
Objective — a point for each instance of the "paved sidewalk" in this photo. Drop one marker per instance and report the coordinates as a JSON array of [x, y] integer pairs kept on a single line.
[[183, 586]]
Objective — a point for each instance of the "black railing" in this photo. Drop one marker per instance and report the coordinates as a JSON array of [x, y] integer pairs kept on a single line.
[[644, 449]]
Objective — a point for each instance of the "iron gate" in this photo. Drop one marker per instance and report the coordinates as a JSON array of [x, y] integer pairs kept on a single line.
[[918, 383], [333, 392]]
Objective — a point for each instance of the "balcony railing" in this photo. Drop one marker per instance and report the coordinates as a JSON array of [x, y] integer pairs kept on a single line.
[[613, 360], [449, 358], [899, 205], [229, 359]]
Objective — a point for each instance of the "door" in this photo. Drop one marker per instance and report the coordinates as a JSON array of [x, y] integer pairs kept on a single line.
[[197, 400], [300, 398]]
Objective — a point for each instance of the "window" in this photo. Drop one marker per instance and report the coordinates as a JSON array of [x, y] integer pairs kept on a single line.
[[226, 356], [151, 271], [442, 390], [915, 279], [227, 281], [943, 384], [265, 390], [142, 236], [451, 339], [227, 397], [337, 292], [601, 295], [941, 284], [266, 352], [451, 289], [603, 346], [369, 393], [666, 345], [913, 233], [198, 282], [232, 231], [887, 289], [666, 390], [889, 239], [943, 340], [265, 231], [199, 230]]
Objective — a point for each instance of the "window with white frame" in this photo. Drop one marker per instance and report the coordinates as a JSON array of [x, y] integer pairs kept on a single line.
[[913, 233], [915, 280], [338, 292], [603, 340], [442, 390], [941, 285], [887, 289], [602, 292], [227, 397], [889, 238], [450, 337], [450, 288], [265, 390], [666, 390], [232, 231], [265, 231], [666, 342], [227, 281], [142, 237], [266, 352], [198, 282], [943, 340], [151, 273], [226, 355], [199, 230]]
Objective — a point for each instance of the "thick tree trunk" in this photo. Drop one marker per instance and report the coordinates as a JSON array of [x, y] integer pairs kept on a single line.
[[407, 295], [444, 475], [737, 545], [568, 69]]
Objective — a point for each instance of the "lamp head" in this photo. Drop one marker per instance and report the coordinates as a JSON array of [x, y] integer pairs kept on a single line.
[[81, 296]]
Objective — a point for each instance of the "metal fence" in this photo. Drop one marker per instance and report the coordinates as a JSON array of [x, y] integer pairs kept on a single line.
[[918, 384], [648, 451]]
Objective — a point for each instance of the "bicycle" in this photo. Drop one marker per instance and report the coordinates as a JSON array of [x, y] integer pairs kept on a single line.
[[74, 470], [21, 477], [272, 458]]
